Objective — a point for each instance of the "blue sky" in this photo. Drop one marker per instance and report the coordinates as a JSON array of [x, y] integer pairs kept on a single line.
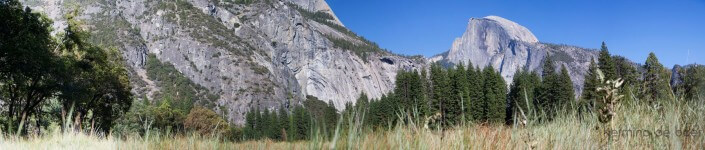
[[670, 28]]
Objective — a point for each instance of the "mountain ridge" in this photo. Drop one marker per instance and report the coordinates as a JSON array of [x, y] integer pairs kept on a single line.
[[271, 54], [250, 54], [509, 47]]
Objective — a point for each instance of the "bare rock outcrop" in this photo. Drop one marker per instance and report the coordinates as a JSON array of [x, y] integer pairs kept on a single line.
[[509, 47]]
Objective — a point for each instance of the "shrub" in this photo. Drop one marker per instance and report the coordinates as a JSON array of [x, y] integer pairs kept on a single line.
[[205, 122]]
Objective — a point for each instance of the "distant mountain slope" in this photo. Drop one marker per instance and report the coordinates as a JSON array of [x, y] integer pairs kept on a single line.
[[510, 47], [235, 55], [238, 54]]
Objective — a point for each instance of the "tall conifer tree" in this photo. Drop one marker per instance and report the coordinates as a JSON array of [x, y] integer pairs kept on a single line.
[[656, 81], [606, 64]]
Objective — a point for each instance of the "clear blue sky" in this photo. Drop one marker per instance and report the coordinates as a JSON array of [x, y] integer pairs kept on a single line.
[[632, 28]]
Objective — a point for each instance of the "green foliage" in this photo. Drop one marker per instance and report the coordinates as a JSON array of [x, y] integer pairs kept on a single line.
[[205, 28], [181, 90], [144, 117], [362, 101], [36, 69], [324, 114], [315, 116], [606, 64], [136, 120], [166, 117], [589, 95], [29, 71], [495, 90], [259, 69], [692, 82], [410, 92], [283, 124], [546, 97], [244, 2], [555, 91], [441, 92], [360, 49], [613, 67], [302, 125], [459, 94], [89, 64], [205, 122], [476, 102], [383, 112], [655, 88], [566, 94], [323, 18], [562, 56], [625, 70], [521, 94]]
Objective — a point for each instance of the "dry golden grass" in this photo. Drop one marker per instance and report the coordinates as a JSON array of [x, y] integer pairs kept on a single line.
[[565, 132]]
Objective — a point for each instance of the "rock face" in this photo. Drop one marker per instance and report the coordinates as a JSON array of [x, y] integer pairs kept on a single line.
[[318, 6], [265, 54], [509, 47]]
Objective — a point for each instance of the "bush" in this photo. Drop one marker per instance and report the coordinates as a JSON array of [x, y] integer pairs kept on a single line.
[[205, 122], [144, 116]]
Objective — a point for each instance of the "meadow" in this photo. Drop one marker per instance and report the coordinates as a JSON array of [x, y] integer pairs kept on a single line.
[[636, 126]]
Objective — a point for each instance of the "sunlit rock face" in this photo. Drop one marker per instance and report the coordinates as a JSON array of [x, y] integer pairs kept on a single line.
[[265, 54], [509, 47]]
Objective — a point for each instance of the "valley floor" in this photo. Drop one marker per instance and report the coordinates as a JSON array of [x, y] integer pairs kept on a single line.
[[673, 127]]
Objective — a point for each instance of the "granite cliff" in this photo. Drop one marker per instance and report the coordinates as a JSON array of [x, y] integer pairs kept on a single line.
[[239, 54], [236, 55], [509, 47]]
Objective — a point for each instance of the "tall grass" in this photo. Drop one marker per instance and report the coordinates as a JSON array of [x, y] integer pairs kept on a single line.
[[568, 131]]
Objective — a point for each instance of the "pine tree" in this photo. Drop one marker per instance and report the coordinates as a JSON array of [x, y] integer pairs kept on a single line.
[[409, 91], [419, 94], [692, 82], [628, 73], [402, 88], [606, 64], [566, 93], [301, 124], [548, 67], [283, 123], [477, 97], [427, 93], [250, 125], [656, 81], [272, 126], [458, 86], [441, 92], [589, 95], [331, 118], [259, 124], [266, 124], [625, 70], [495, 96], [376, 115], [362, 101], [547, 97], [521, 94], [463, 84]]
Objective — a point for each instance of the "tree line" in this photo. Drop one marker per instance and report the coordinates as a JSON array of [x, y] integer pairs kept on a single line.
[[445, 97], [314, 117]]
